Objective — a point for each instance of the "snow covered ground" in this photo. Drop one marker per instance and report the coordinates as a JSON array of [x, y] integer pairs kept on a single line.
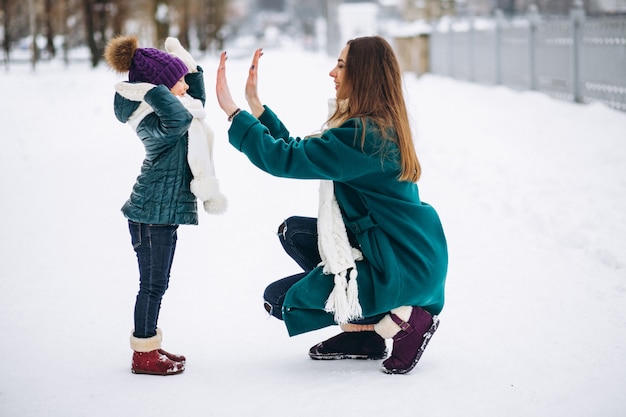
[[531, 190]]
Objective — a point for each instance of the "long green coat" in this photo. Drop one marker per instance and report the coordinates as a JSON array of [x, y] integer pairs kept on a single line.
[[401, 238]]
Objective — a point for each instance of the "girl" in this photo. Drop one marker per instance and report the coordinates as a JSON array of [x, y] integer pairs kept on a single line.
[[163, 102]]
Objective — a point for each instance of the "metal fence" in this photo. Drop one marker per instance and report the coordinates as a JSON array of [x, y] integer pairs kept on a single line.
[[575, 58]]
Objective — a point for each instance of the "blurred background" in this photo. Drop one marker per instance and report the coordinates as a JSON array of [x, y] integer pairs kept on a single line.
[[570, 49]]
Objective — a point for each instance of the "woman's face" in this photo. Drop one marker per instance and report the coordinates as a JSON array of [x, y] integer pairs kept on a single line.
[[338, 72], [180, 88]]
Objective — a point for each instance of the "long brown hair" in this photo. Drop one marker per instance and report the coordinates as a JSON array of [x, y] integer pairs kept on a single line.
[[372, 85]]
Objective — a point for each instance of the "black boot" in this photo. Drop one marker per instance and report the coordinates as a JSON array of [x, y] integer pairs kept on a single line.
[[351, 345]]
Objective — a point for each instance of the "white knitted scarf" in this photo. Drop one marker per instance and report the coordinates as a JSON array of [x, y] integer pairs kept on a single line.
[[338, 256], [204, 185]]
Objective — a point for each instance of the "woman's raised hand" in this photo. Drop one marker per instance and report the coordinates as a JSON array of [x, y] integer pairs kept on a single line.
[[222, 90], [252, 92]]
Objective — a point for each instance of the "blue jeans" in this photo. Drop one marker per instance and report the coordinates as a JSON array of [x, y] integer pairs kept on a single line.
[[298, 236], [154, 246]]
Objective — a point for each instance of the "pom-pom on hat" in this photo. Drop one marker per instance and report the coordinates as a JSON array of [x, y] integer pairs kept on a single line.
[[147, 65]]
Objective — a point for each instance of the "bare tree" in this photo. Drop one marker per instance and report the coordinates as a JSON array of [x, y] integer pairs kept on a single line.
[[210, 22], [160, 12], [48, 22], [120, 10], [90, 32], [32, 26], [7, 9], [101, 17], [183, 17]]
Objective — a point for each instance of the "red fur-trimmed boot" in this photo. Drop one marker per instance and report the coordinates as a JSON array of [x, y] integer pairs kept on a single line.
[[411, 329], [149, 358]]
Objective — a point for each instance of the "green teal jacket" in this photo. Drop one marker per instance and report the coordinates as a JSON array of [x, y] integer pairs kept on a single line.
[[401, 238], [161, 194]]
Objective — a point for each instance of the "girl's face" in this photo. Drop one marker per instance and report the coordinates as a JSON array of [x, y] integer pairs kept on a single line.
[[338, 72], [180, 88]]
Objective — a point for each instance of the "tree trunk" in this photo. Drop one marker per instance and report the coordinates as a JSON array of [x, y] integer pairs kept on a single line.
[[32, 25], [121, 13], [101, 23], [212, 19], [48, 18], [6, 39], [183, 22], [161, 20], [89, 28]]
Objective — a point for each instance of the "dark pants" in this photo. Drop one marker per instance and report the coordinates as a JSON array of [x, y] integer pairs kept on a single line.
[[298, 236], [154, 246]]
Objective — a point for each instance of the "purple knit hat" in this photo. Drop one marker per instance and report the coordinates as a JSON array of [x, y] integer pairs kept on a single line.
[[153, 66]]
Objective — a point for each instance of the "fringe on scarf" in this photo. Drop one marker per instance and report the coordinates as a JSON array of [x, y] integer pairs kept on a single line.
[[343, 300]]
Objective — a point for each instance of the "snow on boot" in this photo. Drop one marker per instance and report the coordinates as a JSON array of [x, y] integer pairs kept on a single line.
[[172, 356], [351, 345], [410, 339], [149, 358]]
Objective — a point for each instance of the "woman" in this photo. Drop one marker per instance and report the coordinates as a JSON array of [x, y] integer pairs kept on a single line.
[[381, 252]]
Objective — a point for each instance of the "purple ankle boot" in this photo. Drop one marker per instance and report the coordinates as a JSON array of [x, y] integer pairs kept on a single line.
[[409, 343]]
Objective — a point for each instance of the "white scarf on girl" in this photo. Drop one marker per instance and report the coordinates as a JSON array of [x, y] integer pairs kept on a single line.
[[204, 185]]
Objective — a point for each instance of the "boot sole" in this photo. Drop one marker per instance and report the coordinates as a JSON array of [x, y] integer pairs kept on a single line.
[[140, 372], [427, 336], [339, 356]]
